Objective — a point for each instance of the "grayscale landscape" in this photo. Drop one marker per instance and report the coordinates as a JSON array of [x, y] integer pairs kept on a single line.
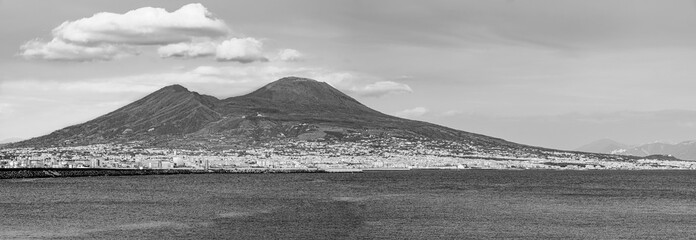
[[347, 119]]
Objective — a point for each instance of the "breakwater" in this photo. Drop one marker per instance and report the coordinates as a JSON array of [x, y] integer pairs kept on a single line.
[[8, 173]]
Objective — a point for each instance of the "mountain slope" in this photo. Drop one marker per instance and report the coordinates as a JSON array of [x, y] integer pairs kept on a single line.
[[172, 110]]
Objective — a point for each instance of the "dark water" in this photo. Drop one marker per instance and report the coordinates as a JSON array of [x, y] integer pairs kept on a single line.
[[373, 205]]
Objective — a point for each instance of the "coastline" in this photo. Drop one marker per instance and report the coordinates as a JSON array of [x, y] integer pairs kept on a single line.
[[13, 173]]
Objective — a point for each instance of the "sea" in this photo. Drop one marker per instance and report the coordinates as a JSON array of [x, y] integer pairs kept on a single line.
[[415, 204]]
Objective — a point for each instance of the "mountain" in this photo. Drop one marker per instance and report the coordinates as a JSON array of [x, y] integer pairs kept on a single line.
[[602, 146], [289, 108], [685, 150], [279, 116]]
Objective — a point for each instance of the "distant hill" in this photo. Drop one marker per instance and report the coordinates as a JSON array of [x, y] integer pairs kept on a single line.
[[684, 150], [602, 146]]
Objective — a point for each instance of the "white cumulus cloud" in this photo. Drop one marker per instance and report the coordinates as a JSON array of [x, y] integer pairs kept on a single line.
[[143, 26], [185, 49], [207, 71], [57, 49], [244, 50], [290, 55], [187, 32]]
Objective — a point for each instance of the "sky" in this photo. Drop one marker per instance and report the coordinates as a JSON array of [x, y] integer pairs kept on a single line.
[[550, 73]]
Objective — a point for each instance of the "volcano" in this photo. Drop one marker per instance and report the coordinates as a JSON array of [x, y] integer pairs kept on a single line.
[[291, 108]]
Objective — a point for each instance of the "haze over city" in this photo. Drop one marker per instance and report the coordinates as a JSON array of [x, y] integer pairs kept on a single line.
[[547, 73]]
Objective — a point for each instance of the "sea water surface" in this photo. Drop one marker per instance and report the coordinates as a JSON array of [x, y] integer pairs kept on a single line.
[[416, 204]]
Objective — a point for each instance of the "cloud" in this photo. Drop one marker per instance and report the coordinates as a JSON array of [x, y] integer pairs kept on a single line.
[[414, 112], [188, 32], [57, 49], [188, 50], [106, 36], [244, 50], [143, 26], [207, 71], [290, 55], [381, 88]]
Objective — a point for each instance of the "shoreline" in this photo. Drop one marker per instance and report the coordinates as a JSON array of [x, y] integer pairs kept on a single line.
[[14, 173]]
